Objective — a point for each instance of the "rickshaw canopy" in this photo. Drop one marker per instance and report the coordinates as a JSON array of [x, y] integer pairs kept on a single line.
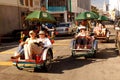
[[103, 18], [86, 15], [41, 16]]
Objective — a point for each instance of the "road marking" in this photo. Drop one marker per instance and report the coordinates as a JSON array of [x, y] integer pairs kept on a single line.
[[8, 63], [7, 52]]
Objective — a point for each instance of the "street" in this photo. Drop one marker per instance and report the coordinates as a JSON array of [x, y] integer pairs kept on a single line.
[[106, 65]]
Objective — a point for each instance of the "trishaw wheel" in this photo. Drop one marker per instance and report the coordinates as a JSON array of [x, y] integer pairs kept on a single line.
[[107, 39], [94, 54], [18, 67], [91, 55], [47, 64], [73, 53]]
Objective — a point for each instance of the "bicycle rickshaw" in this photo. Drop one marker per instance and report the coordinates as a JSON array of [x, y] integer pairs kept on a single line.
[[87, 52], [39, 62], [92, 46], [106, 34], [42, 61], [105, 37]]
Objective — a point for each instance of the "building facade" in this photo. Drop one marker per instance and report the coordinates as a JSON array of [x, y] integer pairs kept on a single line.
[[67, 10], [79, 6], [114, 6], [13, 12]]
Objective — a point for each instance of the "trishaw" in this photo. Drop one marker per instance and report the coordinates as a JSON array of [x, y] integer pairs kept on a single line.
[[103, 37], [102, 19], [91, 48], [42, 61], [87, 52], [39, 62]]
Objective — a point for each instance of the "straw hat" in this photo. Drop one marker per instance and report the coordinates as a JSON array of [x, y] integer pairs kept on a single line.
[[82, 27], [31, 32], [41, 32]]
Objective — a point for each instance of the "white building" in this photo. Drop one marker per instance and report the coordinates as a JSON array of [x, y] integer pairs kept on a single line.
[[67, 10], [79, 6], [115, 5], [105, 6]]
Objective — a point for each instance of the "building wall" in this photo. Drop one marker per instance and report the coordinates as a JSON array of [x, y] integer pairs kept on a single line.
[[11, 11], [68, 8], [115, 5], [74, 6], [9, 19], [80, 5], [9, 2]]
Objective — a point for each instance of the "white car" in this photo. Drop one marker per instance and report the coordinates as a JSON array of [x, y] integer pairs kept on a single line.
[[65, 29]]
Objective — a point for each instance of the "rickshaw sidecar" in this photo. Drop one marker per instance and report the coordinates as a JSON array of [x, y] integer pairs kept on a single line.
[[90, 51], [40, 61]]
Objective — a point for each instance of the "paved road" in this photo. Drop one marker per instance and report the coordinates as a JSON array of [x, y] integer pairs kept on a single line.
[[106, 65]]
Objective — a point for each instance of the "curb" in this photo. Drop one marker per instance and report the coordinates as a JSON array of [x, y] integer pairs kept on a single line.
[[8, 46]]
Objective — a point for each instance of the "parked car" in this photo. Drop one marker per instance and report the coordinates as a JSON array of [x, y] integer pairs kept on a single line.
[[65, 29]]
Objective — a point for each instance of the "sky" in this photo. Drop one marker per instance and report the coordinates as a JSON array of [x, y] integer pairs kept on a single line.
[[99, 3], [114, 4]]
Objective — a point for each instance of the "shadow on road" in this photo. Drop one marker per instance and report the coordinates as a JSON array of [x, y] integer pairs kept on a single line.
[[72, 63], [66, 62], [106, 53], [69, 63], [110, 41]]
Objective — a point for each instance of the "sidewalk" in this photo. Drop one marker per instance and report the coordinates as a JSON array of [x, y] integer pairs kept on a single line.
[[8, 45]]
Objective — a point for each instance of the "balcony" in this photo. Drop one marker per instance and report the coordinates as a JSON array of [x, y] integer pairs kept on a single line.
[[57, 8]]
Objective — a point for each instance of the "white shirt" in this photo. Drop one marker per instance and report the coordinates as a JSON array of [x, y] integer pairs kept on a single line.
[[29, 40], [45, 41], [81, 27], [81, 34]]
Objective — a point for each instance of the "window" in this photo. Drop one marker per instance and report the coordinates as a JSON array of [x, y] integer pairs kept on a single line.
[[36, 3], [31, 3], [57, 3], [26, 2], [22, 2], [64, 25]]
